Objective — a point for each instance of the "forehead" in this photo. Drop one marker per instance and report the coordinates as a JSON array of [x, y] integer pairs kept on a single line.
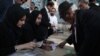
[[24, 17]]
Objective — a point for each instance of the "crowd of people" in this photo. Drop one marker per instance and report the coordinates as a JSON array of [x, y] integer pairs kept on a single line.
[[30, 28], [24, 29]]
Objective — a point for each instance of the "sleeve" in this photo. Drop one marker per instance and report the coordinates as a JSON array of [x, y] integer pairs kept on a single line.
[[6, 45], [70, 40], [41, 34]]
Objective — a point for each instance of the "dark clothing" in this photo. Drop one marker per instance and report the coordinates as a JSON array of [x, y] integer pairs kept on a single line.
[[79, 30], [39, 33], [9, 37], [90, 46], [27, 35], [92, 5], [28, 14], [27, 11], [38, 30], [45, 18], [31, 30], [4, 5], [4, 43], [10, 34], [45, 21], [35, 32], [50, 32], [13, 13]]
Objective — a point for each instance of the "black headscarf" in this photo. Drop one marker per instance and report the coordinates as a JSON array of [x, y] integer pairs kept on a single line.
[[10, 34], [13, 15], [33, 18], [38, 32]]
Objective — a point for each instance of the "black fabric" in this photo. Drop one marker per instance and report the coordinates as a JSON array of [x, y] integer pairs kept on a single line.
[[27, 14], [93, 6], [10, 34], [80, 30], [27, 35], [45, 19], [33, 17], [50, 32], [4, 5], [90, 46], [38, 30], [45, 22], [12, 16]]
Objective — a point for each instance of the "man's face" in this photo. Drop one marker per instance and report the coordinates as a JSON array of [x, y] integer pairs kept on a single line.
[[83, 5], [32, 6], [52, 12], [69, 15], [50, 8]]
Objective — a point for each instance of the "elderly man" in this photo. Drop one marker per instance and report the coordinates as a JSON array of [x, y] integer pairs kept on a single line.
[[76, 20], [87, 44]]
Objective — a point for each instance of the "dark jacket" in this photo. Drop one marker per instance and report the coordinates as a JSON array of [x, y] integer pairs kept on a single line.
[[9, 37], [90, 46], [79, 30]]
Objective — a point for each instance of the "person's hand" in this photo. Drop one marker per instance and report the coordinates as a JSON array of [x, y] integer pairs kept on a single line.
[[62, 44], [29, 45]]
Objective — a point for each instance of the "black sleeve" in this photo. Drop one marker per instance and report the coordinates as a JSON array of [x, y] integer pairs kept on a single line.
[[27, 34], [41, 33], [6, 44], [70, 39]]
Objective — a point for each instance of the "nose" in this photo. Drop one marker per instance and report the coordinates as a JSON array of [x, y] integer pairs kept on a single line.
[[23, 22]]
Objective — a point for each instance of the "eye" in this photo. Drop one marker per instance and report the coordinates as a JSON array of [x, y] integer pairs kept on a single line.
[[21, 20]]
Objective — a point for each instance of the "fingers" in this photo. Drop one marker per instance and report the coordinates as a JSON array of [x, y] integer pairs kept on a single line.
[[31, 45]]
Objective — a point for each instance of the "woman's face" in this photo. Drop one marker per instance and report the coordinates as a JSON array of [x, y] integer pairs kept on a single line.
[[21, 22], [38, 20]]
